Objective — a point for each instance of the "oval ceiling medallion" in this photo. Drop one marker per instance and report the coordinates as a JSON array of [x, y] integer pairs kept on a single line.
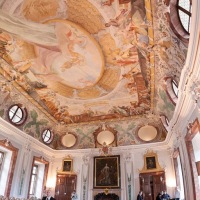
[[68, 140], [147, 133], [105, 136], [79, 62]]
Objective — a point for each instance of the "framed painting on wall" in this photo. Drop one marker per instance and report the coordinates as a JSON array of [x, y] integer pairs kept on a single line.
[[107, 172], [67, 165], [151, 162]]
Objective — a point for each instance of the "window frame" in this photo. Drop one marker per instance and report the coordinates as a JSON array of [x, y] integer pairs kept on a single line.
[[165, 121], [169, 82], [192, 129], [174, 84], [189, 13], [14, 152], [50, 138], [1, 160], [38, 161], [35, 180], [23, 118], [175, 22]]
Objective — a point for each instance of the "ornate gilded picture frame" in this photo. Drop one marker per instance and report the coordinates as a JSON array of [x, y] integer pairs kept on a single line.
[[67, 165], [107, 172], [151, 163]]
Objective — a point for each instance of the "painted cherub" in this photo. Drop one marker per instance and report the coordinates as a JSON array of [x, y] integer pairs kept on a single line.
[[122, 20]]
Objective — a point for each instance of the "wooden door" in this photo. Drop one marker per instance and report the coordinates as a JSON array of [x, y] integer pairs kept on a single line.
[[151, 184], [60, 188], [70, 186], [145, 186], [158, 183], [65, 184]]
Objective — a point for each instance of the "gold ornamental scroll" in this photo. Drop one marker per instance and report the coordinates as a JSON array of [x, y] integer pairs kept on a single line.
[[151, 44]]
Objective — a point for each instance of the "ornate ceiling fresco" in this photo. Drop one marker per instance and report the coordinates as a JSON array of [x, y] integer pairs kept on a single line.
[[76, 65]]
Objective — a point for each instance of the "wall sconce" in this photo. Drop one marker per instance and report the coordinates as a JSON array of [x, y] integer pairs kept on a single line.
[[198, 167]]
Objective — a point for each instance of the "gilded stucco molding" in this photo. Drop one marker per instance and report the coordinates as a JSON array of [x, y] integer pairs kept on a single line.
[[151, 163]]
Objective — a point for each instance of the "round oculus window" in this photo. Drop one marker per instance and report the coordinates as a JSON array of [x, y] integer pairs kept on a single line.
[[17, 115], [47, 136]]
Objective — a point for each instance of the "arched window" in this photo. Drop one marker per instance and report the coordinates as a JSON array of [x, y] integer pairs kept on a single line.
[[175, 87], [47, 136], [184, 11], [172, 89], [17, 114], [180, 18], [165, 121]]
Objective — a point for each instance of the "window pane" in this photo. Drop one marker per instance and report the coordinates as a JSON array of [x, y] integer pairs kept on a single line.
[[184, 4], [19, 113], [32, 188], [189, 25], [175, 88], [1, 160], [34, 170], [13, 109], [184, 19], [167, 121], [16, 119], [33, 180], [11, 114], [47, 136], [16, 114]]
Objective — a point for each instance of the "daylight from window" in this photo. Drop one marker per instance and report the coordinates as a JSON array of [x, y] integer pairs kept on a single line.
[[184, 10], [15, 114], [175, 88], [47, 136]]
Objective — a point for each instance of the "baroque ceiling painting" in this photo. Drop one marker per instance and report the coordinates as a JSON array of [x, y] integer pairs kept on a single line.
[[79, 65]]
